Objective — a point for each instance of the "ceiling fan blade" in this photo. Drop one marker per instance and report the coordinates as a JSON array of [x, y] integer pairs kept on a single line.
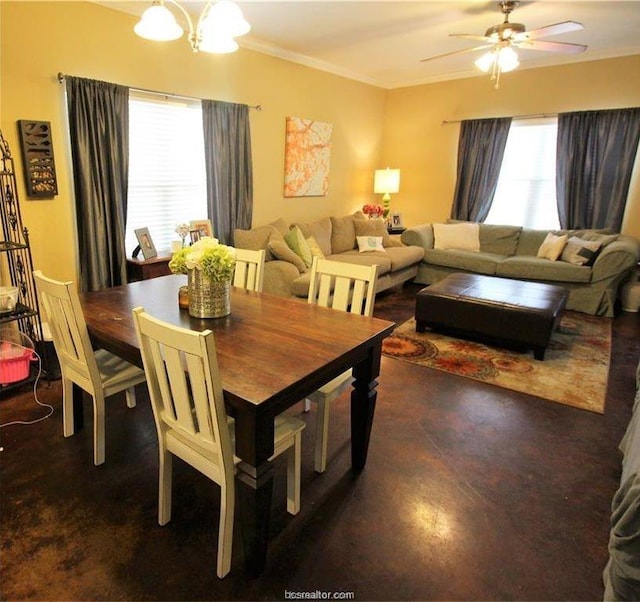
[[549, 30], [439, 56], [470, 36], [551, 46]]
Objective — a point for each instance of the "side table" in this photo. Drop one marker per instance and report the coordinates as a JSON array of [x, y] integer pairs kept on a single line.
[[144, 269]]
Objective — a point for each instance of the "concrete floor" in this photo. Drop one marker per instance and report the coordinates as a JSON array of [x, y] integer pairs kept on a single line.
[[471, 492]]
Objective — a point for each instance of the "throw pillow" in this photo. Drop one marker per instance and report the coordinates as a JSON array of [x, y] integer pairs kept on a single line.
[[343, 237], [552, 246], [369, 243], [463, 236], [314, 247], [298, 244], [580, 252], [603, 239], [372, 227], [281, 250]]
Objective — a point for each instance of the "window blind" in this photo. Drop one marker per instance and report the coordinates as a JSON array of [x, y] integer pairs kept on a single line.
[[167, 179]]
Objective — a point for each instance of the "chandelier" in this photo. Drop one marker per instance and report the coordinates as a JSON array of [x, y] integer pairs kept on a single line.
[[219, 23]]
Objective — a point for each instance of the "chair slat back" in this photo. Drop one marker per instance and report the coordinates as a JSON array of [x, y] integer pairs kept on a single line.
[[184, 386], [249, 272], [68, 328], [344, 286]]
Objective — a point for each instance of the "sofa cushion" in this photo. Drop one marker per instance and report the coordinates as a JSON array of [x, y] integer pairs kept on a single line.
[[471, 261], [320, 230], [372, 227], [404, 256], [281, 250], [255, 239], [378, 257], [462, 236], [315, 249], [502, 240], [552, 246], [299, 245], [595, 236], [580, 252], [536, 268], [343, 234]]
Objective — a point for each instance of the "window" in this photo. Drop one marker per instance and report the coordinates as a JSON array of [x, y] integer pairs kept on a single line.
[[526, 191], [167, 179]]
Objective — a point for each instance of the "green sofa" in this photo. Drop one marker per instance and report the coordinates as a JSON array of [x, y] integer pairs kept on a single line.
[[511, 252], [286, 275]]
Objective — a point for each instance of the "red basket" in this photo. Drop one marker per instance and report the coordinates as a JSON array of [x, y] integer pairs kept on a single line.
[[14, 362]]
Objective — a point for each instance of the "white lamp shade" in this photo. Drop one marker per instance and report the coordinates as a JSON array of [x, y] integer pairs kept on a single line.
[[158, 23], [386, 181], [507, 59], [217, 44], [485, 62], [225, 19]]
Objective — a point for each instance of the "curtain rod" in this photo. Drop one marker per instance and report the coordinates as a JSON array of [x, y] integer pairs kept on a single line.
[[62, 76], [532, 116]]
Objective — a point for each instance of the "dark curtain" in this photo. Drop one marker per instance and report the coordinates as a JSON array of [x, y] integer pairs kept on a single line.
[[595, 155], [99, 131], [227, 147], [480, 150]]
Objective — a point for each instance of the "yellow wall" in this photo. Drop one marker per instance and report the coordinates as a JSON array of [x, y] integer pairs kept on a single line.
[[40, 39], [416, 141]]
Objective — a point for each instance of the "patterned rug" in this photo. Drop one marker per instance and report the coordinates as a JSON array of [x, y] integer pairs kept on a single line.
[[574, 372]]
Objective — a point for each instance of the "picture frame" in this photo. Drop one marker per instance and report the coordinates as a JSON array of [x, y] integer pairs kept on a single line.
[[396, 220], [203, 226], [194, 235], [145, 244]]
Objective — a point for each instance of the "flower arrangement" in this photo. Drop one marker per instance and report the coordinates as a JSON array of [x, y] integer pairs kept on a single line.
[[182, 230], [216, 261], [373, 211]]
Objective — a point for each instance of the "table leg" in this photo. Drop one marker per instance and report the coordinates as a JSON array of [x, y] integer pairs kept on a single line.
[[363, 405], [254, 445]]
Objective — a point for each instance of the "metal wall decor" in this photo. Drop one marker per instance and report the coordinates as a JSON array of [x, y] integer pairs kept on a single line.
[[37, 157]]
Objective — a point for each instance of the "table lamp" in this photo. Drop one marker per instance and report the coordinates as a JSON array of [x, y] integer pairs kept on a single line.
[[385, 182]]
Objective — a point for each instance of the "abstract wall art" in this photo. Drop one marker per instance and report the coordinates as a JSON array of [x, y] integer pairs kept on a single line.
[[307, 157]]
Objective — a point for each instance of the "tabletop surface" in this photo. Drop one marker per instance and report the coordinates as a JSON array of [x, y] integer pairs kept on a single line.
[[271, 350]]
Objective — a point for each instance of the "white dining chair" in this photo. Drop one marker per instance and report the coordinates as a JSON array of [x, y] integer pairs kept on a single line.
[[188, 406], [99, 373], [249, 272], [346, 287]]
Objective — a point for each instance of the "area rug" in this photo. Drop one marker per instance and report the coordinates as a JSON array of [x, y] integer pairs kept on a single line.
[[574, 371]]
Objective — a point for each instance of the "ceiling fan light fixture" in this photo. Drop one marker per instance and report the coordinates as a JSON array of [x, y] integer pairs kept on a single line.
[[485, 62], [507, 59]]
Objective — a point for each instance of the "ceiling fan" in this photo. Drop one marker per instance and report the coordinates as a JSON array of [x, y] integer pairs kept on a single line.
[[503, 38]]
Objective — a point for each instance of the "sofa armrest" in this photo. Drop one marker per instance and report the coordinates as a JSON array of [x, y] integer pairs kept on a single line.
[[420, 236], [278, 277], [616, 258]]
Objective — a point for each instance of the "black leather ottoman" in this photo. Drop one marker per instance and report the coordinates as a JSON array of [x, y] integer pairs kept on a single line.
[[503, 311]]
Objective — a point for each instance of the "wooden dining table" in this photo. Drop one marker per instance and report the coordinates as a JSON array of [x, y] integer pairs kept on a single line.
[[272, 353]]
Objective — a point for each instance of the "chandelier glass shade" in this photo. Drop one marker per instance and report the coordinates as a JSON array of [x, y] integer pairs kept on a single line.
[[219, 23]]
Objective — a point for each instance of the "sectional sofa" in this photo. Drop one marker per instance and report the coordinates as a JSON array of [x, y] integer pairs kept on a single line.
[[286, 273], [514, 252]]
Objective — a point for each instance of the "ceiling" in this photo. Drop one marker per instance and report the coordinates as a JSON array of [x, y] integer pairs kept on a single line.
[[381, 43]]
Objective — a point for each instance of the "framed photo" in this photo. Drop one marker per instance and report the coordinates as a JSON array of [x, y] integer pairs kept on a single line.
[[145, 243], [396, 220], [203, 226], [195, 235]]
